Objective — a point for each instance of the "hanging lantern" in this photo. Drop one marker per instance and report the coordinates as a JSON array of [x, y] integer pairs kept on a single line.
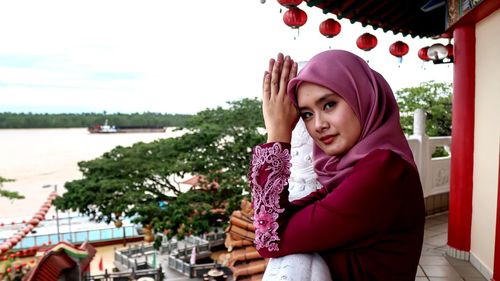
[[437, 52], [4, 248], [449, 48], [366, 41], [399, 49], [330, 28], [422, 54], [289, 3], [34, 221], [295, 17]]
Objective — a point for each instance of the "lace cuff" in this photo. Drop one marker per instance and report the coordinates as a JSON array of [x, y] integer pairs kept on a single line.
[[269, 174]]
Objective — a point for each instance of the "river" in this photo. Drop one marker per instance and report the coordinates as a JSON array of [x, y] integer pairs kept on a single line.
[[40, 157]]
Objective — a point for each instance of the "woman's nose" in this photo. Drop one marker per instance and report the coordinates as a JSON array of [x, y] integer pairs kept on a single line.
[[320, 123]]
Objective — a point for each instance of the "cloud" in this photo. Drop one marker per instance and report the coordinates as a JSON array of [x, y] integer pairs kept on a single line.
[[164, 56]]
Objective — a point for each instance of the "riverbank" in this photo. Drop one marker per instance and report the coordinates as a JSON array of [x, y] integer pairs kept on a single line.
[[49, 157]]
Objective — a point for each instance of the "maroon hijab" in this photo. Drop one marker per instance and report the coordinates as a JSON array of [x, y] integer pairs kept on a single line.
[[371, 99]]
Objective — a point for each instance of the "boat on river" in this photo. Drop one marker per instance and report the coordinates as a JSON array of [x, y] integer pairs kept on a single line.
[[110, 129]]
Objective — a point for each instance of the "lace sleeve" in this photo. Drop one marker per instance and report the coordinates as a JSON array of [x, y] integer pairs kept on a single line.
[[269, 175]]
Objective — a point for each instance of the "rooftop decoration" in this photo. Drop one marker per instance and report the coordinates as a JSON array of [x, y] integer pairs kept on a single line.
[[412, 18]]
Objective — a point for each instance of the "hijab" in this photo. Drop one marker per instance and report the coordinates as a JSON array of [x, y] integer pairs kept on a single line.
[[371, 99]]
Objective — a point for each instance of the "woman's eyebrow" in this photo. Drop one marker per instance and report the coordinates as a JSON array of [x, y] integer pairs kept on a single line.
[[320, 100]]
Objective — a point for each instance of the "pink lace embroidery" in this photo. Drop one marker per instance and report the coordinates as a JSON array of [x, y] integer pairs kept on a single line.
[[266, 198]]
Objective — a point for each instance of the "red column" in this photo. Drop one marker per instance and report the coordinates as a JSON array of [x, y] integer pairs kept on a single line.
[[496, 262], [462, 141]]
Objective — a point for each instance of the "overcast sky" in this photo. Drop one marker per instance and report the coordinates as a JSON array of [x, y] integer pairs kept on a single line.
[[167, 56]]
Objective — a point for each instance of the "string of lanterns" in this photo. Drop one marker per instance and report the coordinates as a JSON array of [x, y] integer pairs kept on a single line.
[[8, 244], [294, 17]]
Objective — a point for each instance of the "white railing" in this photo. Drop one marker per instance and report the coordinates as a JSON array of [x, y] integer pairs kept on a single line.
[[434, 172]]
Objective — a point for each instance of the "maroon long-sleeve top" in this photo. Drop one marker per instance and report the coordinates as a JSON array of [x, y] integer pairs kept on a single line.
[[369, 227]]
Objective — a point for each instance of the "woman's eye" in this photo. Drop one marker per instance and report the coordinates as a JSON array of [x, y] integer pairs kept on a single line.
[[329, 105], [305, 115]]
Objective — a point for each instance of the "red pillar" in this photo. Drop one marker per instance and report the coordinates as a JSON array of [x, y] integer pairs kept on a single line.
[[462, 141], [496, 262]]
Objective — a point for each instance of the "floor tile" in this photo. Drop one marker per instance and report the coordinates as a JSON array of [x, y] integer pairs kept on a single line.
[[435, 264], [440, 271], [433, 260], [442, 228], [420, 272], [438, 240], [445, 279]]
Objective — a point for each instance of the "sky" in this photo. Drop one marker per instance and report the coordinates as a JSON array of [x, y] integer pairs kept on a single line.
[[168, 56]]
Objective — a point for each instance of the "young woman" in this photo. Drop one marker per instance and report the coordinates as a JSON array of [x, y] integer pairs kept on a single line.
[[367, 220]]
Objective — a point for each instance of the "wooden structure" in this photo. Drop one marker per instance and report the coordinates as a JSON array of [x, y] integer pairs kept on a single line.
[[242, 257]]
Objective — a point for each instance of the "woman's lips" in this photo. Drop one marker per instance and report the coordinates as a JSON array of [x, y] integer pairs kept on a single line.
[[327, 139]]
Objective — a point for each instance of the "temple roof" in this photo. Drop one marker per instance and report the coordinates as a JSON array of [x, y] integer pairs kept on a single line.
[[422, 18]]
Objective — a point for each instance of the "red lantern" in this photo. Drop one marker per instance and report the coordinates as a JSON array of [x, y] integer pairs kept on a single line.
[[449, 48], [399, 49], [422, 54], [295, 17], [366, 41], [290, 3], [4, 248], [329, 28], [34, 221]]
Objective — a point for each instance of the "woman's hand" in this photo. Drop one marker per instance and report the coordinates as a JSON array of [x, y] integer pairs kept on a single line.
[[280, 115]]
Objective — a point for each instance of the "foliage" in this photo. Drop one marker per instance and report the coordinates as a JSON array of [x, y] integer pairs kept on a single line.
[[68, 120], [142, 181], [8, 194], [435, 99]]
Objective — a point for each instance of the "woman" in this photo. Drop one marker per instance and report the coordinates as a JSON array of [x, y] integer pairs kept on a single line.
[[367, 220]]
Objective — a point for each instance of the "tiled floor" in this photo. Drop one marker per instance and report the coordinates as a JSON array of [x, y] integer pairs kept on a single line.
[[434, 263]]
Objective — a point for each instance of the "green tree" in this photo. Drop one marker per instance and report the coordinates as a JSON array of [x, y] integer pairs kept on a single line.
[[71, 120], [141, 181], [6, 193], [432, 97]]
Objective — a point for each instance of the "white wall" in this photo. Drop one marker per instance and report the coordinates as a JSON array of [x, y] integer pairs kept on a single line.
[[486, 141]]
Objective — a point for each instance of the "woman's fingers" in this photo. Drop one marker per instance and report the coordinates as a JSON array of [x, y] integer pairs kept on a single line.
[[275, 75], [271, 65], [293, 71], [266, 88], [284, 78]]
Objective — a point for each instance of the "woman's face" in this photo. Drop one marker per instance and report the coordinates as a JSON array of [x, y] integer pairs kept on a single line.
[[328, 118]]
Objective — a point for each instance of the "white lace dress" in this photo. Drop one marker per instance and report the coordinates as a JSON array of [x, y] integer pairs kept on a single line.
[[299, 267]]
